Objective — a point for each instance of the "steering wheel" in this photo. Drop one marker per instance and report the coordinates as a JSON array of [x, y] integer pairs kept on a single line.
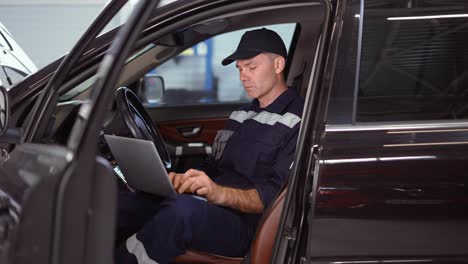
[[139, 122]]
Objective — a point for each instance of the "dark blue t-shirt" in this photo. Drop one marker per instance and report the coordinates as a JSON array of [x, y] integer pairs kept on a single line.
[[257, 146]]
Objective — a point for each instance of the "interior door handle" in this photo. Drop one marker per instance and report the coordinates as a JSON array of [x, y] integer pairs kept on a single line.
[[190, 131]]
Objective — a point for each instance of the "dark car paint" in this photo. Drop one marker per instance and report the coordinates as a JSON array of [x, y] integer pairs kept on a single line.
[[31, 161], [409, 186], [362, 194]]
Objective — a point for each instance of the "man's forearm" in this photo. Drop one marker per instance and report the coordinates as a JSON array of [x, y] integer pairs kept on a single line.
[[195, 181], [247, 201]]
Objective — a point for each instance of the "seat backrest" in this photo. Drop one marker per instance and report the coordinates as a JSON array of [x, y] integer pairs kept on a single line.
[[262, 245]]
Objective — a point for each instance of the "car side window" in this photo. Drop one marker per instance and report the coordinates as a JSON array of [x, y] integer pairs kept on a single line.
[[196, 75], [414, 61]]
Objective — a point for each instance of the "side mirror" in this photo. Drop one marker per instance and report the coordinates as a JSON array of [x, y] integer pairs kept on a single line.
[[4, 109], [151, 90]]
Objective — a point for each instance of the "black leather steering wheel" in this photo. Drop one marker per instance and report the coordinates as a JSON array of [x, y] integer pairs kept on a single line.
[[139, 122]]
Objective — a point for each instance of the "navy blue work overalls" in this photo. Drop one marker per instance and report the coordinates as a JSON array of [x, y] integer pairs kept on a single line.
[[255, 150]]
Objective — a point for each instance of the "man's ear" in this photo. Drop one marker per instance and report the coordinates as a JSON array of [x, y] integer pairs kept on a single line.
[[280, 63]]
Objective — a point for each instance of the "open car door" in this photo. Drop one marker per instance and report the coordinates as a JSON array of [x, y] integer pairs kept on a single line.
[[57, 203]]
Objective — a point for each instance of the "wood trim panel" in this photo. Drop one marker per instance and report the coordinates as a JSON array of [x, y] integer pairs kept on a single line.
[[209, 129]]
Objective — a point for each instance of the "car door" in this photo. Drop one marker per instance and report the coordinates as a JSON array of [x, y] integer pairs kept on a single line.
[[58, 201], [386, 181]]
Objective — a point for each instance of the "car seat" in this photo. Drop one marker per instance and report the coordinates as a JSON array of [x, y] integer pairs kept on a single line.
[[262, 244]]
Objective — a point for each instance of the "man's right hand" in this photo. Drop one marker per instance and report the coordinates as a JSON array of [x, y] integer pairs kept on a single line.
[[195, 181]]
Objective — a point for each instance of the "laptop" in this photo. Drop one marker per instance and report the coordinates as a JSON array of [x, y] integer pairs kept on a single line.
[[140, 164]]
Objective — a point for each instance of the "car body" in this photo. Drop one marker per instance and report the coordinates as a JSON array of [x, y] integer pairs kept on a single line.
[[380, 168], [15, 63]]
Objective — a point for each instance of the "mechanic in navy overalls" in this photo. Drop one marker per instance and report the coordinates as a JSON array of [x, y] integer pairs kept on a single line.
[[251, 161]]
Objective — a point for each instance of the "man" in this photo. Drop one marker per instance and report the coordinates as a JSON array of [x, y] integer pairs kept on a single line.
[[251, 161]]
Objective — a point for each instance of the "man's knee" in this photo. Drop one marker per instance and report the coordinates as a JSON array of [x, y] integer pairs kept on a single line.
[[176, 220]]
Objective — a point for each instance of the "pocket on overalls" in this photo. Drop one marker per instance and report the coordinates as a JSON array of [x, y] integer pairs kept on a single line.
[[220, 142]]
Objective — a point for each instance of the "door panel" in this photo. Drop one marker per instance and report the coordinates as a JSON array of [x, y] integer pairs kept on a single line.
[[391, 193], [191, 130], [28, 179], [190, 151], [189, 141]]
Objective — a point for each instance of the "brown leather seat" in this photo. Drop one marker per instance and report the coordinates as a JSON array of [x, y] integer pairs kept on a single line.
[[262, 244]]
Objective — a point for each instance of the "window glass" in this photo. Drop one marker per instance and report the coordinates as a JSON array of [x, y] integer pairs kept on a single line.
[[122, 17], [80, 88], [89, 83], [414, 63], [196, 76], [119, 18], [341, 103]]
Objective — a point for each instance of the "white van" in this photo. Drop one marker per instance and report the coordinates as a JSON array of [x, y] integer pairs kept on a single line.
[[15, 65]]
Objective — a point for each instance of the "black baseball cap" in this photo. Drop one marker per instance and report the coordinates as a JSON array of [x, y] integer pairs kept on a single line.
[[257, 41]]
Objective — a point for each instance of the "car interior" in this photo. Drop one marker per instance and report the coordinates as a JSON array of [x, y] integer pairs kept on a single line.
[[210, 115], [171, 120]]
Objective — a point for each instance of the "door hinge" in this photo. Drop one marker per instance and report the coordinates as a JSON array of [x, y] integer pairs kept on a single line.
[[314, 150], [290, 233]]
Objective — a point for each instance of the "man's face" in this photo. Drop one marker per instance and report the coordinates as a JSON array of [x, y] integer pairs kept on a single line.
[[257, 75]]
